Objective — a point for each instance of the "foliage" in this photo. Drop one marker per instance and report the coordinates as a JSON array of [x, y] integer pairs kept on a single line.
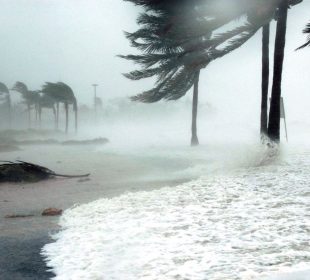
[[60, 92], [178, 38], [306, 31], [29, 97]]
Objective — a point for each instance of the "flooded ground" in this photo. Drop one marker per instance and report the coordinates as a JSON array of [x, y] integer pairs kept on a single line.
[[242, 223], [161, 210]]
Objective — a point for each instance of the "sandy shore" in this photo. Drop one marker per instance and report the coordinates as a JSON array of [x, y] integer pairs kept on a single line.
[[21, 239]]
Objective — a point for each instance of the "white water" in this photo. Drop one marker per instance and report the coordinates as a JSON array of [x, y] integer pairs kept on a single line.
[[246, 223]]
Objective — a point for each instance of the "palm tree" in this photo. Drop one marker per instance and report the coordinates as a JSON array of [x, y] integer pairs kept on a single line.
[[6, 98], [267, 9], [194, 140], [178, 39], [31, 99], [274, 114], [46, 101], [62, 93], [265, 81]]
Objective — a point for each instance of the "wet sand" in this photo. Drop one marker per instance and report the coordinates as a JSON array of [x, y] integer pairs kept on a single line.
[[21, 239]]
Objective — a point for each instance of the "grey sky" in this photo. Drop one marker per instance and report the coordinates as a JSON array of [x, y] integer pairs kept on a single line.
[[76, 41]]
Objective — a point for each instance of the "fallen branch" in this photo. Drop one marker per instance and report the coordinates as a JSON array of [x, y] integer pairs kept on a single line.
[[21, 171]]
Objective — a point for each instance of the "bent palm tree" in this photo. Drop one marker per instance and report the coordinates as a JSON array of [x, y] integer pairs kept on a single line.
[[46, 101], [6, 100], [164, 37], [62, 93], [31, 99], [176, 39], [179, 38]]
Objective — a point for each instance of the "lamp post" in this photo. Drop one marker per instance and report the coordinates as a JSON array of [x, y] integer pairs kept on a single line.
[[95, 99]]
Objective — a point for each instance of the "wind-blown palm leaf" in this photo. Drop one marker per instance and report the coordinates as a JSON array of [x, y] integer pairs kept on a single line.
[[29, 97], [60, 92], [178, 38], [306, 31]]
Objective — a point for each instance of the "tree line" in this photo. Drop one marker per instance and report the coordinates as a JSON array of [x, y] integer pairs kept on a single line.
[[178, 39], [50, 96]]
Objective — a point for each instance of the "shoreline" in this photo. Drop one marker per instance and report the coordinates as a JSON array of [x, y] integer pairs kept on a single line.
[[23, 238]]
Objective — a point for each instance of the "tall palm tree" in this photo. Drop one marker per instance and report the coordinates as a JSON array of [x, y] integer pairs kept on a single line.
[[266, 9], [6, 98], [194, 140], [274, 114], [48, 102], [31, 99], [265, 80], [178, 39], [62, 93]]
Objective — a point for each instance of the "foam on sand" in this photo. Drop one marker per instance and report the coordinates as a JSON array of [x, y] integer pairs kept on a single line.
[[248, 224]]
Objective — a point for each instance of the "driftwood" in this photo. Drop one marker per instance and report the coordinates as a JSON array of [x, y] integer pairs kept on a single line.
[[21, 171]]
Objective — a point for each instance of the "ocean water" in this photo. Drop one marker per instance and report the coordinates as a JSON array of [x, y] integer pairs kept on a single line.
[[245, 217]]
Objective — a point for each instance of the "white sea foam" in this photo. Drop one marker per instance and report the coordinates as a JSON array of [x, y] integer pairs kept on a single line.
[[247, 224]]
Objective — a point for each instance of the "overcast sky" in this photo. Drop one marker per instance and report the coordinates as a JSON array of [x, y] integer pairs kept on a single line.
[[76, 41]]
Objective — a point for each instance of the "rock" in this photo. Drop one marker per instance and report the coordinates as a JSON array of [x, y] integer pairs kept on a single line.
[[52, 212]]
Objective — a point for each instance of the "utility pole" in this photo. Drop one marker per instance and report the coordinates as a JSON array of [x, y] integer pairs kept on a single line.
[[95, 99]]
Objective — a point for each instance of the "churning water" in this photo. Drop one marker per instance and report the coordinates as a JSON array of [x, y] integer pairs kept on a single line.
[[246, 223]]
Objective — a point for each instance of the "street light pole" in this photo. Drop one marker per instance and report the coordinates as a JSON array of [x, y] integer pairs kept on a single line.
[[95, 99]]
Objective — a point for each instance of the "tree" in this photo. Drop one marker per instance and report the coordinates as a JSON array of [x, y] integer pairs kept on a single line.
[[179, 38], [269, 10], [6, 100], [62, 93], [275, 105], [31, 99], [45, 101], [265, 80]]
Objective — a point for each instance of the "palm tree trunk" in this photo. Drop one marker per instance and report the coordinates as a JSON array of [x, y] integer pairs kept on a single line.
[[265, 81], [76, 119], [36, 113], [194, 140], [40, 113], [274, 115], [67, 116], [10, 111], [57, 115], [29, 118]]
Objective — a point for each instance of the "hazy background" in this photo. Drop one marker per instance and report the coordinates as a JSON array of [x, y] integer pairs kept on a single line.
[[76, 41]]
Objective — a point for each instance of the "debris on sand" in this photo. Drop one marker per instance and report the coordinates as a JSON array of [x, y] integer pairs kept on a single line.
[[17, 216], [96, 141], [22, 171], [13, 144], [38, 142], [52, 212]]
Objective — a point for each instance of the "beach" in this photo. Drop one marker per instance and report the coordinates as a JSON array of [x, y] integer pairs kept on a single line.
[[112, 174]]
